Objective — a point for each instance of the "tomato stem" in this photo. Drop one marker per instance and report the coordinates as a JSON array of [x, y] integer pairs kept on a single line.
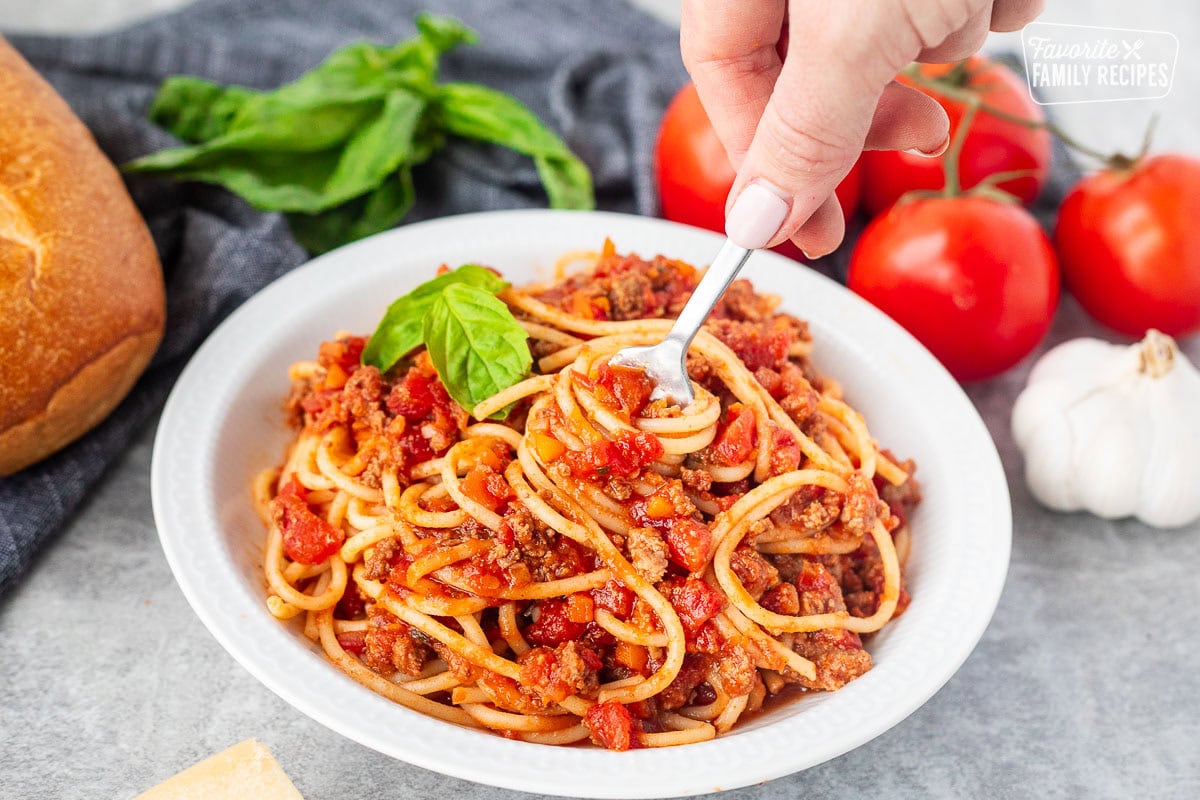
[[961, 93], [950, 165], [958, 76]]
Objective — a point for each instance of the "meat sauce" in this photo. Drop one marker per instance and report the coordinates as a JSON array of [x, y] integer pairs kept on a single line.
[[401, 419]]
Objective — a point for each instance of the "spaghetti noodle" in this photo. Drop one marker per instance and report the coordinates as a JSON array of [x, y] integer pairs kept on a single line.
[[598, 565]]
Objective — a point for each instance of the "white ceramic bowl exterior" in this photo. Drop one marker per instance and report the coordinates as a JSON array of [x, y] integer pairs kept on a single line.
[[224, 422]]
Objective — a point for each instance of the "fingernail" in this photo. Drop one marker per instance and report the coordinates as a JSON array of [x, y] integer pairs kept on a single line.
[[756, 215], [930, 153]]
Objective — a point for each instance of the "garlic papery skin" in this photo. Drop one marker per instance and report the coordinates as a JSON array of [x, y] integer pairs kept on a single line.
[[1114, 430]]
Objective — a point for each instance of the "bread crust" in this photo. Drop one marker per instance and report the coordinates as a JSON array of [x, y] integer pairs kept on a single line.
[[81, 293]]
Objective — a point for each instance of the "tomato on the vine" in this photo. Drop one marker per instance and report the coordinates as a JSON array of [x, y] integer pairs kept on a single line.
[[694, 175], [974, 279], [1129, 243], [993, 145]]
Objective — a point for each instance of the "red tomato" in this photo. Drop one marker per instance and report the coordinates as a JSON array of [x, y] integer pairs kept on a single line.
[[1130, 246], [974, 280], [307, 538], [611, 725], [735, 442], [694, 175], [991, 145], [689, 543], [553, 626]]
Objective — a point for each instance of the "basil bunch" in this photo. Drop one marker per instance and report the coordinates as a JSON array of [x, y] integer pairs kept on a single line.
[[336, 148], [477, 347]]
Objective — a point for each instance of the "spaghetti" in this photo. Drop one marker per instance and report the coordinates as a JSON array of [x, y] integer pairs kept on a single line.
[[598, 565]]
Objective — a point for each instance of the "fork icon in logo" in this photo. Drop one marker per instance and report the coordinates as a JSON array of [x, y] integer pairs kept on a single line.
[[1131, 50]]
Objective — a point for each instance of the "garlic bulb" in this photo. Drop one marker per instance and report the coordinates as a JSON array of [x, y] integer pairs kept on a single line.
[[1114, 430]]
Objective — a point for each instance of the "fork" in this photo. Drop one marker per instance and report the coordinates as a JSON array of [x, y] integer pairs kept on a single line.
[[666, 362]]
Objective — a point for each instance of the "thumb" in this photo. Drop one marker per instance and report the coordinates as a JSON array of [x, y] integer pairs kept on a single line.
[[808, 138]]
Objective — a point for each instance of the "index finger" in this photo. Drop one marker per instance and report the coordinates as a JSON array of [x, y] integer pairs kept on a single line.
[[730, 48]]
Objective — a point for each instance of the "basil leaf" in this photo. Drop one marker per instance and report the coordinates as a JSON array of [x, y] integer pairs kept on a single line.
[[474, 111], [444, 33], [363, 216], [379, 148], [268, 181], [335, 148], [400, 330], [275, 181], [299, 128], [196, 110], [476, 345]]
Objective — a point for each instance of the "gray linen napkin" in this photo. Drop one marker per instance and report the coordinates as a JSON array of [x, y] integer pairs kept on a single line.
[[599, 72]]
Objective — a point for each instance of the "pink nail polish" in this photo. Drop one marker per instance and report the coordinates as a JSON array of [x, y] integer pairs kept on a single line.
[[756, 215]]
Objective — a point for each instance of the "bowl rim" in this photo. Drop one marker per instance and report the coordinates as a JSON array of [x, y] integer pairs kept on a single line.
[[181, 453]]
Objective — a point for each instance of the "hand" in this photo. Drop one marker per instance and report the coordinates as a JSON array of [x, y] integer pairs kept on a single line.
[[796, 89]]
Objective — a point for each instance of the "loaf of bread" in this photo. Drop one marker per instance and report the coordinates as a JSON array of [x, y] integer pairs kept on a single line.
[[81, 291]]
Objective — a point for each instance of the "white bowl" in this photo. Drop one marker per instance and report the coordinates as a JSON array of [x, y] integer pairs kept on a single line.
[[223, 423]]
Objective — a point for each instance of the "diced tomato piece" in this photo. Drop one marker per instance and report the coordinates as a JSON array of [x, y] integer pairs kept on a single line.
[[294, 487], [487, 487], [335, 377], [344, 353], [581, 608], [421, 400], [636, 450], [622, 457], [353, 641], [615, 598], [413, 396], [553, 626], [307, 538], [695, 602], [415, 447], [581, 304], [632, 656], [689, 543], [735, 442], [611, 725], [483, 576], [757, 345], [592, 384], [630, 387], [659, 507]]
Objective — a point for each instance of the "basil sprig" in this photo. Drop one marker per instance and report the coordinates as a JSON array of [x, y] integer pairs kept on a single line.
[[335, 149], [476, 345]]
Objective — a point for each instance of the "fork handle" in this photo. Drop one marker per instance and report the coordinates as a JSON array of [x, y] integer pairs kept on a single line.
[[724, 268]]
